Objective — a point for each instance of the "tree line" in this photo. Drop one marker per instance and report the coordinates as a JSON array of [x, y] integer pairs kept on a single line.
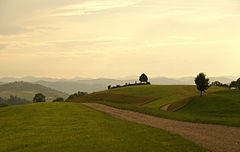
[[39, 97], [13, 100], [202, 83]]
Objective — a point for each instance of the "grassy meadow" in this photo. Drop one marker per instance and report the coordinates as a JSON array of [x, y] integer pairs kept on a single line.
[[218, 105], [61, 127], [164, 94]]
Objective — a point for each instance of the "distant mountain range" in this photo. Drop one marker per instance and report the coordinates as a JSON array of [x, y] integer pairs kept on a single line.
[[92, 85], [27, 90]]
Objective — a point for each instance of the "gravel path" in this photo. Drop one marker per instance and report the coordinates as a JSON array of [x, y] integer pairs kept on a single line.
[[214, 137], [165, 107]]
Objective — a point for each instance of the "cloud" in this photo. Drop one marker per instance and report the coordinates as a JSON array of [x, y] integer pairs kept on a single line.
[[189, 43], [91, 7], [89, 41], [182, 37], [13, 30], [2, 46]]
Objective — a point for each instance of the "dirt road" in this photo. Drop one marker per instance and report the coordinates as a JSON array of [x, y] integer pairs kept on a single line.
[[214, 137]]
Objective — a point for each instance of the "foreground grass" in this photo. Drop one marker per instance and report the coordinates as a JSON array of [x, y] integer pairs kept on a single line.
[[60, 127]]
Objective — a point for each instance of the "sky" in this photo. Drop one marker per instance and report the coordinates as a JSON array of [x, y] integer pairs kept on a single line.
[[118, 38]]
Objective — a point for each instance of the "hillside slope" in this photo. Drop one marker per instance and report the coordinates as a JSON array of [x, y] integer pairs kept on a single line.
[[160, 94], [27, 91], [172, 94], [60, 127], [221, 106]]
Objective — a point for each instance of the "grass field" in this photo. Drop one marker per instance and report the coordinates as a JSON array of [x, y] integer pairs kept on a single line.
[[213, 112], [164, 94], [219, 106], [61, 127], [113, 97]]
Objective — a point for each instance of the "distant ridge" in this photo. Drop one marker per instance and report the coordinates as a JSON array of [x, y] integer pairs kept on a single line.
[[93, 85], [26, 90]]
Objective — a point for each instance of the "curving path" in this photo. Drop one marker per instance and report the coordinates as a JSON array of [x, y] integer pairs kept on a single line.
[[165, 107], [214, 137]]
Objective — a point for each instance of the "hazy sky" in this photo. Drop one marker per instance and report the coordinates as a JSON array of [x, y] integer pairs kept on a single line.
[[117, 38]]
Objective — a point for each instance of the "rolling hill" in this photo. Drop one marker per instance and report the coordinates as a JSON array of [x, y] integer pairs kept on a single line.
[[73, 86], [218, 106], [159, 95], [58, 127], [26, 90]]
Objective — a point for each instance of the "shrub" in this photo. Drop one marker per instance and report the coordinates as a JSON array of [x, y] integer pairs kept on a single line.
[[39, 98], [58, 99], [75, 95]]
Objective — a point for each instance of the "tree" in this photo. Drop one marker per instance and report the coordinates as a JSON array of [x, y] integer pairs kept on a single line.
[[39, 98], [202, 82], [58, 99], [143, 78], [1, 99], [14, 100], [238, 83], [109, 87], [233, 84]]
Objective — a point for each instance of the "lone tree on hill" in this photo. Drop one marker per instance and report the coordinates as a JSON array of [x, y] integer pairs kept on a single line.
[[202, 82], [143, 78], [39, 98]]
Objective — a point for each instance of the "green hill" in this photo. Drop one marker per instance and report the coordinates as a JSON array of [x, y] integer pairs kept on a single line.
[[158, 95], [178, 96], [219, 106], [27, 91], [59, 127], [118, 98]]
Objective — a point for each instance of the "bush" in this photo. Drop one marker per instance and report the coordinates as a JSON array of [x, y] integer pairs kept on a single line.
[[58, 99], [75, 95], [219, 84], [2, 104], [39, 98]]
